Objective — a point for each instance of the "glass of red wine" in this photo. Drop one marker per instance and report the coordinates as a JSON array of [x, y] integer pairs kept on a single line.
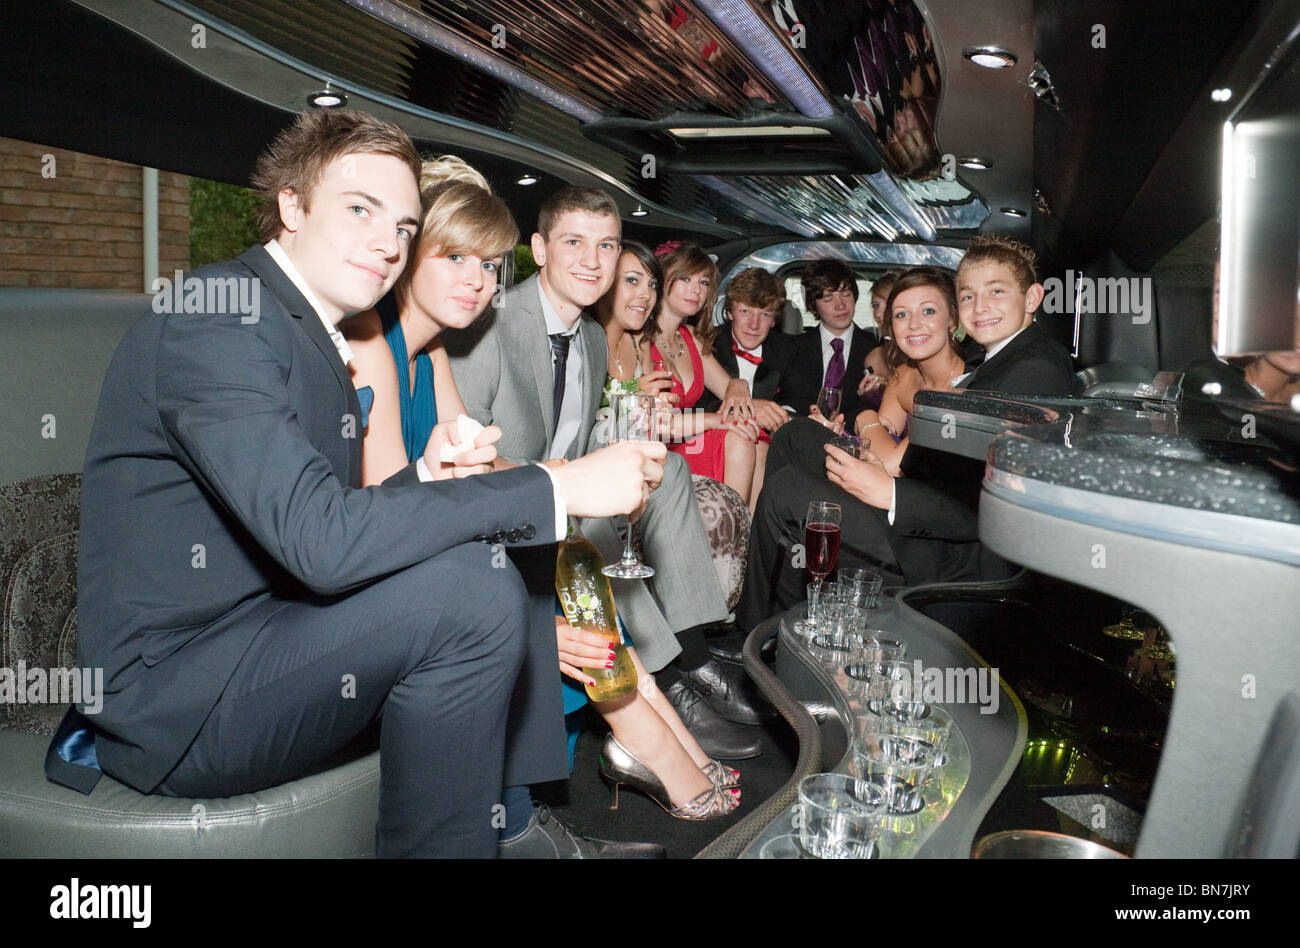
[[822, 547]]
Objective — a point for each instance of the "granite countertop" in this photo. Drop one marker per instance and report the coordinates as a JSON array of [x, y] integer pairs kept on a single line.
[[1194, 455]]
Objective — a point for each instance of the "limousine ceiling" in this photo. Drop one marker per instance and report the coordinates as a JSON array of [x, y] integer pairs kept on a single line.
[[644, 98]]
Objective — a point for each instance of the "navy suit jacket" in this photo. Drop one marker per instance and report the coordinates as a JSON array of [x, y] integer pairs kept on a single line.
[[769, 378], [806, 373], [220, 480], [938, 498]]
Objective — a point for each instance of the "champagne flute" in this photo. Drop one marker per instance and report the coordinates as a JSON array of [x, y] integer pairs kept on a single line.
[[632, 417], [828, 403], [822, 547]]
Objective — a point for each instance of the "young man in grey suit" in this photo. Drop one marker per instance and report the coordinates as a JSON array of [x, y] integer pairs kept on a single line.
[[544, 392], [252, 608]]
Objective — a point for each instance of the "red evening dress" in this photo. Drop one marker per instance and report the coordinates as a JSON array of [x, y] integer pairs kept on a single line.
[[705, 453]]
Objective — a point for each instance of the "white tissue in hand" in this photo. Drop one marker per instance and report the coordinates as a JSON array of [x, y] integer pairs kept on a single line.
[[467, 430]]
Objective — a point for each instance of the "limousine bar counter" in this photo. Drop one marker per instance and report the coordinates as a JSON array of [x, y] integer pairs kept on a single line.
[[1187, 509]]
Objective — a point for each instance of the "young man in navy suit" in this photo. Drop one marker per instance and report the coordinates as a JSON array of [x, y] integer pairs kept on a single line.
[[749, 350], [253, 609], [921, 527], [834, 352]]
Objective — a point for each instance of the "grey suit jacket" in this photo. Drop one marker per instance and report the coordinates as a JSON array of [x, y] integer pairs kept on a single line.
[[503, 369]]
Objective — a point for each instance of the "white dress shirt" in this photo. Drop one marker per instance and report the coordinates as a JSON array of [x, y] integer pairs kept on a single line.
[[570, 422], [282, 259], [746, 369], [828, 352]]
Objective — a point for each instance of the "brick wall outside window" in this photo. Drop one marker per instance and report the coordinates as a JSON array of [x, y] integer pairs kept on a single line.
[[82, 228]]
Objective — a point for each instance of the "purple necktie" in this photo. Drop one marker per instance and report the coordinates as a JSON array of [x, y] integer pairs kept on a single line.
[[835, 371]]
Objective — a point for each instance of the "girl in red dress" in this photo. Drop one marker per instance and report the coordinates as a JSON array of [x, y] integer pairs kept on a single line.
[[715, 444]]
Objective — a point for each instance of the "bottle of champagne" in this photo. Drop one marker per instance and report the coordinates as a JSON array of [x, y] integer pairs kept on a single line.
[[588, 603]]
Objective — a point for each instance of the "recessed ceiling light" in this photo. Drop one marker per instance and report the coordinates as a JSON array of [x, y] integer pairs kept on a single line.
[[526, 179], [327, 98], [1221, 95], [1013, 212], [640, 211], [990, 57], [975, 163]]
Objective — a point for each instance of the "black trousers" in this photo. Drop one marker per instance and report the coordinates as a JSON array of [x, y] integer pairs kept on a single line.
[[795, 476], [435, 653]]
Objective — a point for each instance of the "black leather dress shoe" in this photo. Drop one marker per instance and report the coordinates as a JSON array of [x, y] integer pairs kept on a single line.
[[547, 838], [728, 649], [716, 737], [720, 685]]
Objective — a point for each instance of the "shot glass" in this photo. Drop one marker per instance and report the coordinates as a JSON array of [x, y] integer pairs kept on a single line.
[[788, 846], [849, 444], [893, 689], [896, 766], [866, 583], [877, 646], [840, 817]]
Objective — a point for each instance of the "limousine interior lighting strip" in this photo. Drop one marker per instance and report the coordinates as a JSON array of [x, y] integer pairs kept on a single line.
[[432, 33], [764, 211], [769, 53], [894, 198]]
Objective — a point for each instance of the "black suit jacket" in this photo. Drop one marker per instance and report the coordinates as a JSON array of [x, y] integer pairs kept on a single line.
[[221, 479], [936, 529], [806, 373], [769, 378]]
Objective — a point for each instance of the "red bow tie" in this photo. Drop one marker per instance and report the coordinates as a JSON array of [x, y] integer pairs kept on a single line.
[[747, 356]]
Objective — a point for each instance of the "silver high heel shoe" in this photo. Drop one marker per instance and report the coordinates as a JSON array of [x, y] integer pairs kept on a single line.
[[619, 767], [723, 777]]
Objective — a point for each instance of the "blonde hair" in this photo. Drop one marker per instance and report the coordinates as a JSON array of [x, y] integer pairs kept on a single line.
[[461, 215]]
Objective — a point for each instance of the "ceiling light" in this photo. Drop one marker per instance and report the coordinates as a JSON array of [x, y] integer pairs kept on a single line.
[[975, 163], [990, 57], [327, 98], [526, 179], [1221, 95], [640, 211], [1013, 212]]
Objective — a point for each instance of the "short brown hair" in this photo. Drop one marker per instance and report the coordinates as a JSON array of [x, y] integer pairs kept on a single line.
[[685, 261], [299, 155], [1017, 256], [755, 287], [939, 278], [570, 198], [826, 276]]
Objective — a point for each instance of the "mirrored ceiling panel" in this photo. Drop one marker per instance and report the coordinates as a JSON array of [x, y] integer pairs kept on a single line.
[[621, 56]]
